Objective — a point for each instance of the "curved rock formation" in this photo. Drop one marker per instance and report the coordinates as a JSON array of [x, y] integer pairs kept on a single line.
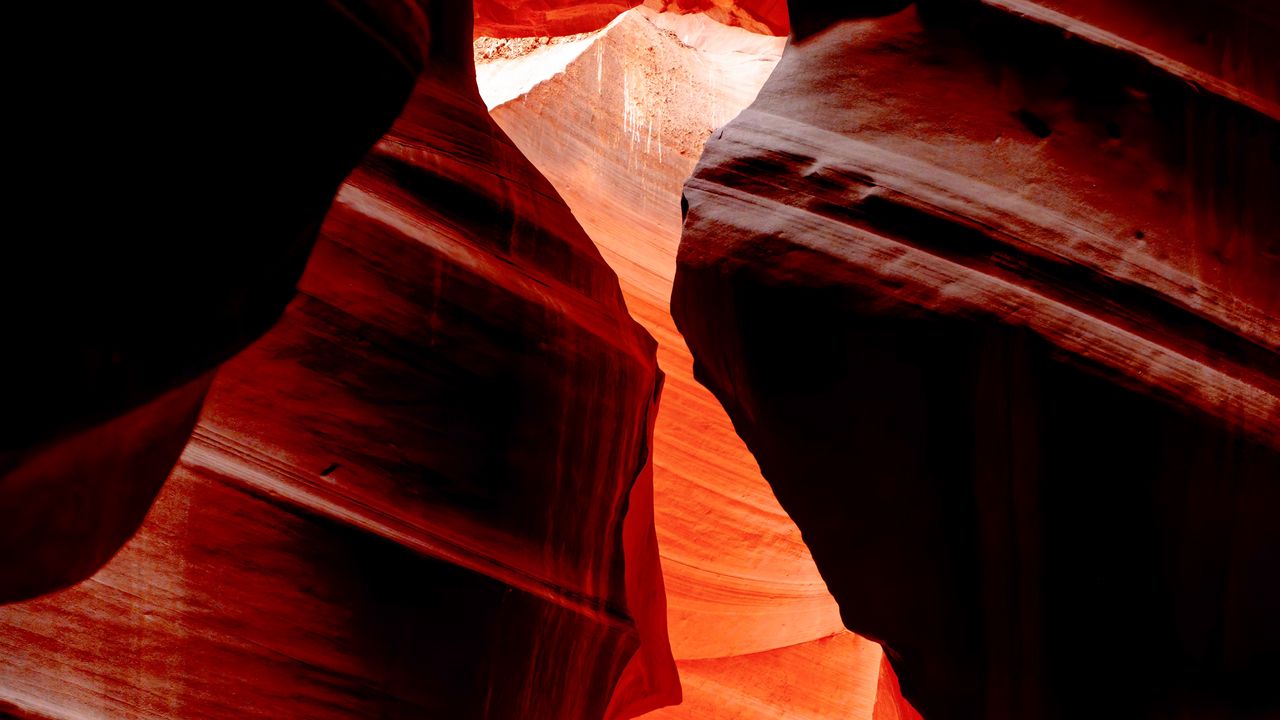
[[990, 290], [988, 286], [617, 130], [113, 328], [531, 18], [177, 223], [616, 120], [558, 18], [426, 492], [759, 16]]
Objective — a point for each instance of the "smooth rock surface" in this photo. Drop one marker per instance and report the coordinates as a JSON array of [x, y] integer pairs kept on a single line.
[[426, 492], [618, 130], [552, 18], [165, 225], [767, 17], [616, 121], [533, 18], [994, 305]]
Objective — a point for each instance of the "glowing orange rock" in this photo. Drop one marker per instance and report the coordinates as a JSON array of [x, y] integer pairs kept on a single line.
[[616, 121], [532, 18], [529, 18]]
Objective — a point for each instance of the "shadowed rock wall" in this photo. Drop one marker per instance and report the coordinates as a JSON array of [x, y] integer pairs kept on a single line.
[[990, 291]]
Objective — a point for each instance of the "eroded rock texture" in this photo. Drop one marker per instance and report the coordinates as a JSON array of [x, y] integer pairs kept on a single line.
[[616, 120], [552, 18], [990, 290], [531, 18], [166, 226], [425, 492], [759, 16]]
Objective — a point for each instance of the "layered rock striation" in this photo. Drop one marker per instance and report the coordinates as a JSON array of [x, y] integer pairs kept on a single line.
[[616, 121], [167, 225], [990, 291], [558, 18], [989, 288], [424, 492]]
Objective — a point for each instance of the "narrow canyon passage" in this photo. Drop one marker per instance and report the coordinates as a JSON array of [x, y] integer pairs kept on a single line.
[[527, 359], [616, 120]]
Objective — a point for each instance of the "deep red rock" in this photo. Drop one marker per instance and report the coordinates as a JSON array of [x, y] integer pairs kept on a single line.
[[994, 307], [617, 128], [72, 503], [989, 288], [530, 18], [168, 219], [424, 492], [616, 121], [760, 16]]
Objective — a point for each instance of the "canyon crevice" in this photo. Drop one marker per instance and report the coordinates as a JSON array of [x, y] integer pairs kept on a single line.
[[560, 359], [616, 120]]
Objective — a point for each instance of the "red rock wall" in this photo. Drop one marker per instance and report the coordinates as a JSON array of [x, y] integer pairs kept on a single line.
[[166, 224], [425, 492], [988, 288], [991, 294], [533, 18], [753, 629], [760, 16]]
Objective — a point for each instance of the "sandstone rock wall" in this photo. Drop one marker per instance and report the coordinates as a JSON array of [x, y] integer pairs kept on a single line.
[[424, 492], [990, 291]]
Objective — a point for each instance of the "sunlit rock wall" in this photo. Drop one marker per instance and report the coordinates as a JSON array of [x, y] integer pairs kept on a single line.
[[617, 120]]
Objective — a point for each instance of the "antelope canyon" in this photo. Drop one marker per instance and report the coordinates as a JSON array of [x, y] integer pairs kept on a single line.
[[675, 359], [616, 121]]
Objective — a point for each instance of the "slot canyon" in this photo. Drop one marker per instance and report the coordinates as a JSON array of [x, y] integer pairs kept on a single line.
[[675, 359]]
